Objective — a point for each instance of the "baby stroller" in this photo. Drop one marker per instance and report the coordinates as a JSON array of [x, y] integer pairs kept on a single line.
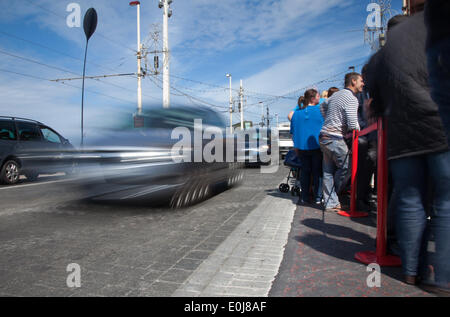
[[293, 162]]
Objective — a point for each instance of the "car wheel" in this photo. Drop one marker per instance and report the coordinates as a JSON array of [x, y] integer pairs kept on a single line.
[[10, 172]]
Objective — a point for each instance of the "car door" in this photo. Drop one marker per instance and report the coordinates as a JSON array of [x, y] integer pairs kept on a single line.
[[52, 149], [29, 145], [8, 139]]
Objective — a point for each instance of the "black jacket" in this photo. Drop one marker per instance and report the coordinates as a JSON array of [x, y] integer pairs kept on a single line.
[[397, 79]]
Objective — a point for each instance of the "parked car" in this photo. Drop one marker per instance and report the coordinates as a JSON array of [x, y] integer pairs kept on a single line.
[[133, 160], [30, 148]]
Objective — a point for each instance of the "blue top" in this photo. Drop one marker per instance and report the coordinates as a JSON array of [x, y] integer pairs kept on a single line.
[[305, 128]]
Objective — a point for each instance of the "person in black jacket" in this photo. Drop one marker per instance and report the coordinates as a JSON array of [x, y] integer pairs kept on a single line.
[[437, 13], [417, 146]]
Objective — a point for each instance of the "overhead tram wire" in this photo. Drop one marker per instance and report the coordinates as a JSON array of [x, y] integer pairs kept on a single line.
[[190, 97], [52, 50], [67, 71], [62, 83]]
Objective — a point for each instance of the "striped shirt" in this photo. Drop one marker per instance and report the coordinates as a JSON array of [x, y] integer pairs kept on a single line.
[[340, 114]]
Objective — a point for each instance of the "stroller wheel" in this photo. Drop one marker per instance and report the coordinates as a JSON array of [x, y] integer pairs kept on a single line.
[[284, 188], [295, 190]]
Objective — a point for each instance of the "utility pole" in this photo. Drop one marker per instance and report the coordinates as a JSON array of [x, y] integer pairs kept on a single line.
[[241, 109], [165, 5], [231, 106], [262, 114], [268, 119], [139, 55], [276, 116]]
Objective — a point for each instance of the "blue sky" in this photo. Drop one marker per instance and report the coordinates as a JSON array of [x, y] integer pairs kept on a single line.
[[277, 47]]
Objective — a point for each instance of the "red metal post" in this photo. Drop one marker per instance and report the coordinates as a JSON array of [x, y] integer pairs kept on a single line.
[[353, 213], [380, 256]]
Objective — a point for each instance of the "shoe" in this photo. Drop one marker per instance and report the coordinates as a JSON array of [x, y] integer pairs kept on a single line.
[[411, 279]]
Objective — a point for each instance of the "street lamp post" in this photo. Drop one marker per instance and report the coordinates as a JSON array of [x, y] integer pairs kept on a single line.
[[231, 105], [262, 114], [139, 54], [89, 25]]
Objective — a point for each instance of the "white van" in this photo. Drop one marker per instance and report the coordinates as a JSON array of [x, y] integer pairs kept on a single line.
[[285, 137]]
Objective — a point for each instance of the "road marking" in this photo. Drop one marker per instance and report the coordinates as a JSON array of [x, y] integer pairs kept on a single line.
[[5, 187], [247, 262]]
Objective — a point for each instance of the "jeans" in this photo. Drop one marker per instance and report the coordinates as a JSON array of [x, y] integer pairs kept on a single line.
[[439, 71], [311, 168], [410, 177], [335, 169]]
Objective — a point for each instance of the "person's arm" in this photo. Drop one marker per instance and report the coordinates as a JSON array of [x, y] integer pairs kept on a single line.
[[351, 112], [291, 114]]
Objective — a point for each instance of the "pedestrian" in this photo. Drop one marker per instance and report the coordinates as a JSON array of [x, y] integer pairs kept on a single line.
[[438, 57], [305, 128], [438, 52], [324, 103], [341, 118], [417, 149], [367, 153]]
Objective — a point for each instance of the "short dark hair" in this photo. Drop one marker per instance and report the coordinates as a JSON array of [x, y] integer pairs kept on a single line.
[[349, 77], [332, 90]]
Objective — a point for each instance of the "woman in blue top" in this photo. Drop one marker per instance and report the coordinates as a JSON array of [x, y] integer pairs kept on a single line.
[[306, 124]]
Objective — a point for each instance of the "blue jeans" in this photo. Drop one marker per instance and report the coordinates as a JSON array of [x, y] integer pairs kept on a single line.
[[439, 71], [410, 177], [335, 169], [311, 168]]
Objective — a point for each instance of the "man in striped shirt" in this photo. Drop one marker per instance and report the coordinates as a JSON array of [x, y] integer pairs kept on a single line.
[[341, 118]]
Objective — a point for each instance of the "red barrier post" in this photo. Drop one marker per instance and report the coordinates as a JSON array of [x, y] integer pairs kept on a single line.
[[353, 213], [381, 257]]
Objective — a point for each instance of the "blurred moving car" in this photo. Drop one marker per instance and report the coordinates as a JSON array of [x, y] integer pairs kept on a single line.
[[285, 139], [30, 148], [136, 159]]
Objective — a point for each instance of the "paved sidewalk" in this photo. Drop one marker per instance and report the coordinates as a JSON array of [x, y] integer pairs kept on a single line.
[[319, 259], [246, 263]]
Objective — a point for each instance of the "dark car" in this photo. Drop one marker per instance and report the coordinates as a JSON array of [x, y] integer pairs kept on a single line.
[[29, 148], [135, 160]]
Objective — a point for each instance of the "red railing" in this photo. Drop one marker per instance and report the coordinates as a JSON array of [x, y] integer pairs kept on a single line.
[[380, 256]]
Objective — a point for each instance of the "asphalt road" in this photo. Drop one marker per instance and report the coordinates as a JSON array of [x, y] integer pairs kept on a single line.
[[121, 250]]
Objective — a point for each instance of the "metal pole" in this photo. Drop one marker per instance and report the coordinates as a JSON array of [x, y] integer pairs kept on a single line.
[[139, 57], [82, 97], [268, 119], [241, 94], [262, 114], [166, 56], [231, 106]]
